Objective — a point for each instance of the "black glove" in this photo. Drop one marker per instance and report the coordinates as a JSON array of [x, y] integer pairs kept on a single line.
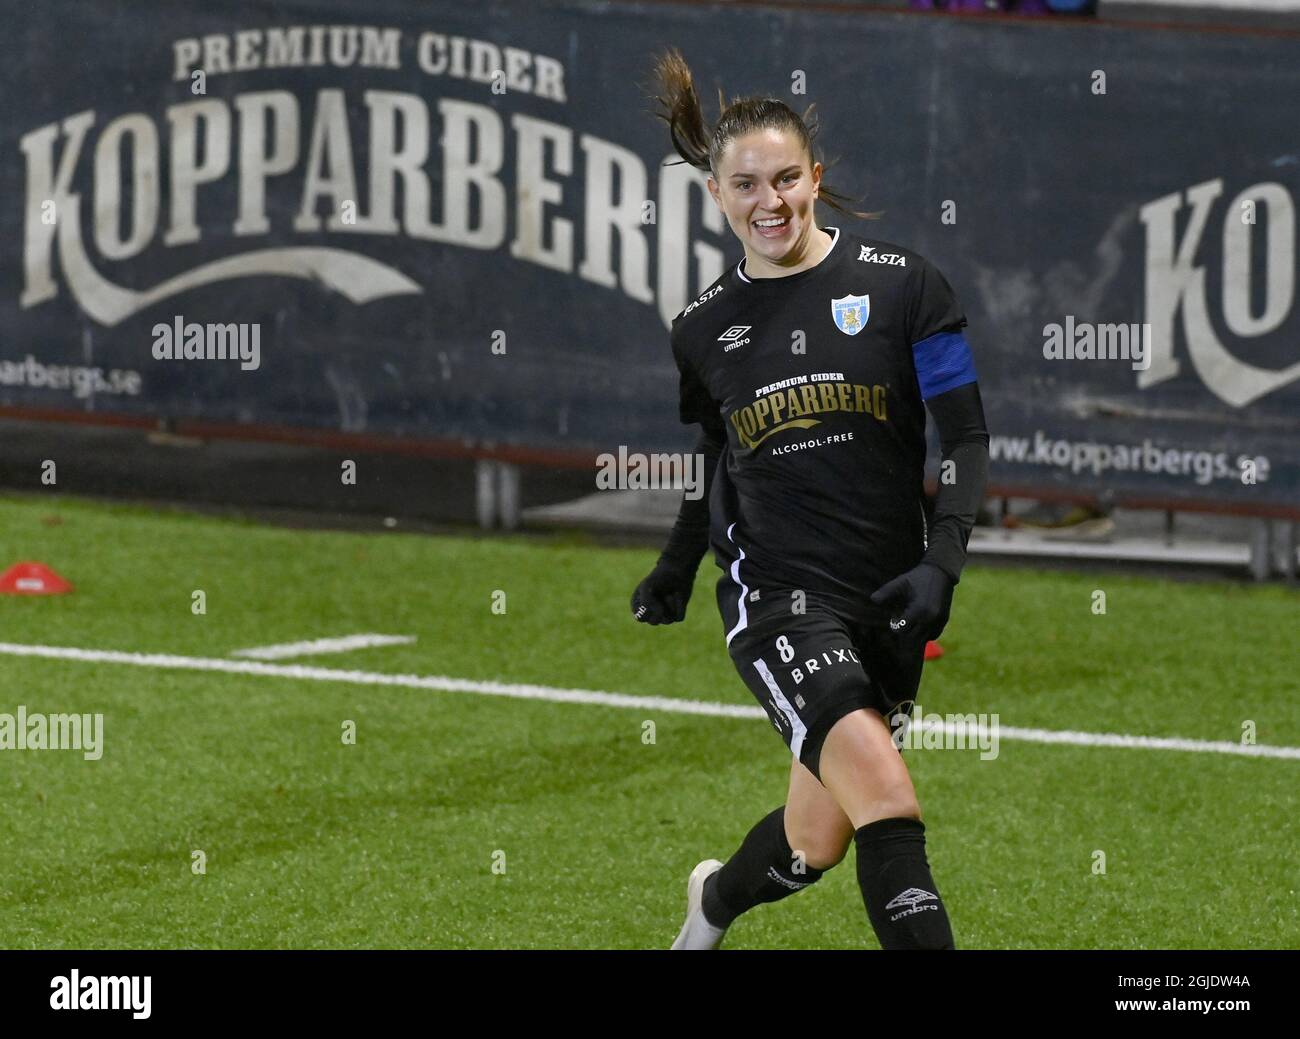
[[662, 597], [921, 600]]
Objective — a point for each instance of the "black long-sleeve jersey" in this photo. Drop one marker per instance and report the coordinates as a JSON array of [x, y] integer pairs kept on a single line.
[[815, 383]]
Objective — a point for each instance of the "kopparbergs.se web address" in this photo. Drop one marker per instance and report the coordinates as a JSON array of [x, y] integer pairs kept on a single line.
[[1080, 455], [82, 380]]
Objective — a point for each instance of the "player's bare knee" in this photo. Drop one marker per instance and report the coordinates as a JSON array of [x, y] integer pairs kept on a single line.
[[897, 805], [888, 801], [822, 854], [820, 848]]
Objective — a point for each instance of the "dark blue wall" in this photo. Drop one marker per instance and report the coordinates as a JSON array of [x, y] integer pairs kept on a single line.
[[1057, 188]]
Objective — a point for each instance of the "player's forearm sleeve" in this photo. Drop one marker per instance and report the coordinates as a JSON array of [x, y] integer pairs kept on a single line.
[[964, 446], [689, 539]]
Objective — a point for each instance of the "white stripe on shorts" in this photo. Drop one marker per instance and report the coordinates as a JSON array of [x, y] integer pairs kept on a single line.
[[797, 728], [743, 622]]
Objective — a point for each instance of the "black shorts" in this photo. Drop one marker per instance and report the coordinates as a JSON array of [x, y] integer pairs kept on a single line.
[[809, 669]]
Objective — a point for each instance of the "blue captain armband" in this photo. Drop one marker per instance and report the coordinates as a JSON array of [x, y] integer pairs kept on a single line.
[[943, 362]]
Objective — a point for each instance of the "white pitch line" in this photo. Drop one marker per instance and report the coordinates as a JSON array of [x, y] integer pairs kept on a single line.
[[1107, 739], [342, 644], [328, 674], [552, 694]]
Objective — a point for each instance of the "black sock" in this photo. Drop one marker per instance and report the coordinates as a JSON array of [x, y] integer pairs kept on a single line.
[[764, 869], [901, 898]]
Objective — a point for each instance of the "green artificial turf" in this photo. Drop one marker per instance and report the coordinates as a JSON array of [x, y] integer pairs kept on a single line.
[[391, 842]]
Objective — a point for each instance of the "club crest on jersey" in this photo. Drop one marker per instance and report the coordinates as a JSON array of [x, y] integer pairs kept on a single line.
[[851, 313]]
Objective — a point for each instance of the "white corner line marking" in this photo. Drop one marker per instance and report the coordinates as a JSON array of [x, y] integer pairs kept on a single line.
[[342, 644], [667, 704]]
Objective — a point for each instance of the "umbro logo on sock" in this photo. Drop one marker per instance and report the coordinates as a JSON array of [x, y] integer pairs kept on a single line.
[[793, 885], [912, 898]]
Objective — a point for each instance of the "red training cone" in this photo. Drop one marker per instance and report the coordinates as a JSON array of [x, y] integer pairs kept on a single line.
[[933, 651], [32, 579]]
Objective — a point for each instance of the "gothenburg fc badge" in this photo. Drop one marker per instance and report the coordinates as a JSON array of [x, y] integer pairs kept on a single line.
[[851, 313]]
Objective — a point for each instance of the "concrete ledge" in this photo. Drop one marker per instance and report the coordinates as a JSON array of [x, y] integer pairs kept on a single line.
[[1138, 537]]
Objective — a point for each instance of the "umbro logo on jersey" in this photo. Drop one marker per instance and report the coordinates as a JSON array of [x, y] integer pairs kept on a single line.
[[732, 337], [851, 313], [869, 255]]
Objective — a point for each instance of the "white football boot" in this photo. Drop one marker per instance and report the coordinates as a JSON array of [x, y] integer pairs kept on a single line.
[[697, 932]]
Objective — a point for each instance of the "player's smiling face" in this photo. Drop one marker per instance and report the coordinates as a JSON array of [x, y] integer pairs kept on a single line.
[[767, 192]]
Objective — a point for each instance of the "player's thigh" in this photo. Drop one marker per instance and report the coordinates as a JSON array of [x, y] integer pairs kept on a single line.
[[862, 769], [802, 669], [814, 822]]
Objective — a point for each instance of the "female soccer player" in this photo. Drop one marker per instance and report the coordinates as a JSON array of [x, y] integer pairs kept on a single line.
[[806, 365]]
